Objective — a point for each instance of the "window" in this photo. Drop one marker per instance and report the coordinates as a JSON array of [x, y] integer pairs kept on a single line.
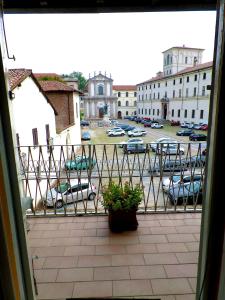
[[201, 114], [146, 111], [135, 103], [119, 103], [139, 110], [186, 92], [172, 112], [179, 93], [203, 91], [154, 96], [47, 132], [150, 86], [158, 95], [142, 97], [158, 84], [135, 94], [187, 78], [178, 113], [127, 103], [170, 71], [153, 112], [195, 92], [186, 60], [174, 93], [119, 94], [154, 85], [149, 111], [196, 77], [142, 111], [166, 83], [126, 94], [174, 82], [204, 76], [150, 96], [139, 97], [146, 87], [193, 113], [77, 110], [35, 136], [157, 112], [185, 113], [126, 113], [180, 80], [142, 87], [100, 90], [165, 94], [17, 140]]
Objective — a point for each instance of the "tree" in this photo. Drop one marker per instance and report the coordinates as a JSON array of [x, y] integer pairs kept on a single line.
[[79, 76]]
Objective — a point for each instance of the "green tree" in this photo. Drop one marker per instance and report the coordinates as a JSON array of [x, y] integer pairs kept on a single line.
[[79, 76]]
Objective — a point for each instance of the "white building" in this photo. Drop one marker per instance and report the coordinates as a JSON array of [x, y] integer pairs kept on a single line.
[[181, 92], [33, 115], [127, 100]]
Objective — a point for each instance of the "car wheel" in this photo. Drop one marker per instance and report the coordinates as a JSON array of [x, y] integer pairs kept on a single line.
[[91, 196], [182, 152], [163, 153], [59, 204], [129, 152]]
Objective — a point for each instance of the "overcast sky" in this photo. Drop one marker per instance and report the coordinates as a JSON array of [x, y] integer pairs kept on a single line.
[[129, 46]]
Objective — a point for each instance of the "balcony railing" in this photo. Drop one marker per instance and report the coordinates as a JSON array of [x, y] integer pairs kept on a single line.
[[68, 180]]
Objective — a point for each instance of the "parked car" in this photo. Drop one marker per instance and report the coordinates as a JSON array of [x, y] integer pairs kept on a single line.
[[135, 148], [156, 126], [85, 136], [69, 192], [148, 124], [116, 132], [131, 141], [123, 126], [129, 128], [84, 123], [167, 165], [176, 180], [111, 129], [197, 126], [197, 137], [175, 123], [185, 132], [184, 125], [190, 193], [137, 132], [155, 144], [80, 163], [170, 149], [204, 127]]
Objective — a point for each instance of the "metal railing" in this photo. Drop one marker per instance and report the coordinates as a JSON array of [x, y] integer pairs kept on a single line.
[[68, 180]]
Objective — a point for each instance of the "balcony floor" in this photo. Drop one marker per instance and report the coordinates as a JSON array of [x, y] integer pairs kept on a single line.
[[79, 257]]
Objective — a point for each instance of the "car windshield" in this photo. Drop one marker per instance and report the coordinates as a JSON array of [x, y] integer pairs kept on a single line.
[[175, 178], [194, 187]]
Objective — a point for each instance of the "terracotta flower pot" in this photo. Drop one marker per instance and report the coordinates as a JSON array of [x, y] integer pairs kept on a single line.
[[121, 220]]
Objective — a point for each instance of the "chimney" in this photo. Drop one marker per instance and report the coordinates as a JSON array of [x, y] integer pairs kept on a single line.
[[159, 74]]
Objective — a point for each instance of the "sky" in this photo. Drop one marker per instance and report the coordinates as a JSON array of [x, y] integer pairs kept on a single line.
[[128, 46]]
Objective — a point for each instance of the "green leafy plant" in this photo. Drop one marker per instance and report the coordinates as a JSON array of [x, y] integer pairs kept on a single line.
[[118, 197]]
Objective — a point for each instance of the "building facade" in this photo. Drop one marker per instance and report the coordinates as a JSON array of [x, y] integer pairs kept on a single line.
[[181, 92], [127, 100], [99, 99]]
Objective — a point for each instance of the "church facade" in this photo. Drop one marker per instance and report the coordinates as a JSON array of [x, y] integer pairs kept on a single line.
[[99, 100]]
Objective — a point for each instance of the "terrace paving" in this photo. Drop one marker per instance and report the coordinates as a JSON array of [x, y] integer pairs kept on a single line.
[[79, 257]]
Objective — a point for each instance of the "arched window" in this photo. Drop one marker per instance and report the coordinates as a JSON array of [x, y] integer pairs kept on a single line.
[[100, 90], [127, 103], [119, 103]]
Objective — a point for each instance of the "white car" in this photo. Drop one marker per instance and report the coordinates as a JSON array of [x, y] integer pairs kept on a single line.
[[131, 141], [136, 132], [170, 149], [156, 125], [176, 180], [111, 129], [116, 132], [69, 192], [163, 140]]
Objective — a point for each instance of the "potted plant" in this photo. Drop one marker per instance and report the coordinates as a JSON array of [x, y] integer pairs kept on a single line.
[[122, 203]]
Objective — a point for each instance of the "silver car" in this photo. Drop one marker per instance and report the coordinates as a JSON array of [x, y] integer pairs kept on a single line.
[[156, 144], [69, 192], [170, 149], [176, 180]]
